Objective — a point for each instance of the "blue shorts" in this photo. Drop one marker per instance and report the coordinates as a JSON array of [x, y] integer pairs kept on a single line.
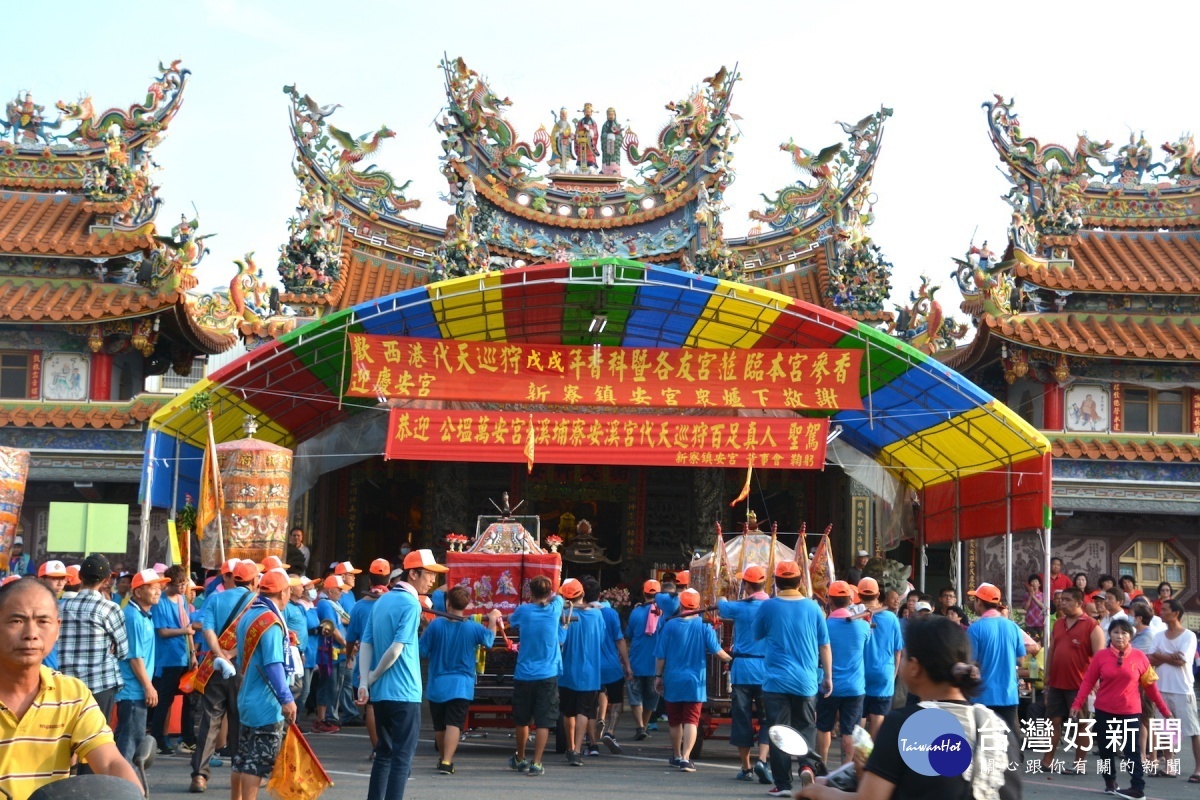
[[877, 705], [848, 709], [641, 692], [748, 705]]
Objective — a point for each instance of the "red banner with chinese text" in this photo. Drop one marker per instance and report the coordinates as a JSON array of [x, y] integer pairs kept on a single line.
[[398, 367], [649, 441], [500, 580]]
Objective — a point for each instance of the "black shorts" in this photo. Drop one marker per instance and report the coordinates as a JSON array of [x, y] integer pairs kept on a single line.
[[258, 748], [1059, 701], [452, 713], [574, 704], [877, 705], [535, 703], [850, 711], [615, 691]]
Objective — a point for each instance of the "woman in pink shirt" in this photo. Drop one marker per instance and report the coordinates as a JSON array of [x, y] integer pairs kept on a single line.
[[1117, 673]]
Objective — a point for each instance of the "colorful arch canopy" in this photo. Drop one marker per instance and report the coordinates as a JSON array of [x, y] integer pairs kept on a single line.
[[978, 466]]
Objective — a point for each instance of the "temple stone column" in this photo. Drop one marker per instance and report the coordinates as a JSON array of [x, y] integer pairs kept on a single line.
[[708, 492], [861, 518], [446, 503]]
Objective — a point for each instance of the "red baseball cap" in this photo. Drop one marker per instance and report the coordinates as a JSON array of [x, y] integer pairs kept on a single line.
[[754, 574], [986, 592], [651, 587], [868, 586], [689, 598], [380, 566], [274, 581], [842, 589], [787, 569]]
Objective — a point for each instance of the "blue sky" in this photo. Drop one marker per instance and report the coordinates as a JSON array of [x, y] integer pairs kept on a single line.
[[1072, 67]]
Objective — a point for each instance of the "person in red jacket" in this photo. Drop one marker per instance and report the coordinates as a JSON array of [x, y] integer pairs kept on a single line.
[[1119, 673]]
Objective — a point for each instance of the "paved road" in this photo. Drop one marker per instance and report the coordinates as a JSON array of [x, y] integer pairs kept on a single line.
[[481, 773]]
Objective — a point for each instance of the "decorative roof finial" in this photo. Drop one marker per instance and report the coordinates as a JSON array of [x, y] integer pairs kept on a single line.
[[250, 426]]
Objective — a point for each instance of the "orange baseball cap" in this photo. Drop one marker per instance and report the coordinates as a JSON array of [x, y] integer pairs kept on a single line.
[[842, 589], [73, 575], [10, 579], [868, 586], [651, 587], [380, 566], [245, 571], [274, 562], [147, 577], [52, 569], [787, 569], [343, 567], [228, 567], [689, 598], [274, 581], [423, 559], [570, 589], [683, 578], [333, 582], [754, 574], [986, 592]]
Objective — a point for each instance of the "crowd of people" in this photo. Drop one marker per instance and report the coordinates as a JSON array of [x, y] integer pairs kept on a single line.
[[258, 642]]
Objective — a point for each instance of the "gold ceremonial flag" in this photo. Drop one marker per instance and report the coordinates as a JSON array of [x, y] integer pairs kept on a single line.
[[745, 489], [529, 446], [212, 498], [298, 774]]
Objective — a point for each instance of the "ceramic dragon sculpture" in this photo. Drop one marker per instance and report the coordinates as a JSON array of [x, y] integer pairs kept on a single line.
[[923, 323], [476, 116], [162, 97]]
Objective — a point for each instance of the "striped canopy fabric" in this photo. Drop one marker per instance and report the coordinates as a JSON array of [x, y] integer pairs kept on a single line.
[[935, 430]]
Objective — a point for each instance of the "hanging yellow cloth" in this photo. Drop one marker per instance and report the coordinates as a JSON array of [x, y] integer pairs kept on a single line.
[[298, 774]]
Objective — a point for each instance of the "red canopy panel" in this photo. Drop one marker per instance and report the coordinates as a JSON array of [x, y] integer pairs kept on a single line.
[[981, 502]]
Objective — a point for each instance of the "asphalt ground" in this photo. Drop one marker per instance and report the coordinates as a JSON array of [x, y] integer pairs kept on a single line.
[[641, 771]]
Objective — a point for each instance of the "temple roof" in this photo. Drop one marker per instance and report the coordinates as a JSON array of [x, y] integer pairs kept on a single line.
[[1115, 447], [48, 413], [36, 223], [36, 299], [1111, 335], [1119, 261]]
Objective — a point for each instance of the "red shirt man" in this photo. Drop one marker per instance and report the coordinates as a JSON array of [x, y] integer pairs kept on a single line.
[[1075, 638], [1059, 581]]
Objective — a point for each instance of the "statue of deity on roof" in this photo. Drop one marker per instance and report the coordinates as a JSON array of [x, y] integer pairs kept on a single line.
[[587, 135], [611, 140], [561, 147]]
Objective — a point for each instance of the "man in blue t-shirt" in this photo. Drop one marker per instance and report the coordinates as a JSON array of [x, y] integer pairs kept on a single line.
[[881, 658], [681, 655], [451, 646], [797, 665], [580, 680], [848, 637], [640, 632], [265, 703], [331, 655], [614, 670], [539, 663], [998, 647], [218, 701], [378, 575], [746, 675], [389, 669], [172, 655], [137, 693]]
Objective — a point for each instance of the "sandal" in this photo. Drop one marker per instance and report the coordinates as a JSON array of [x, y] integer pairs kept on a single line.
[[1193, 779]]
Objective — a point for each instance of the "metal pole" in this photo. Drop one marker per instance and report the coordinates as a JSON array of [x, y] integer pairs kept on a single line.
[[957, 576], [174, 501], [1008, 538], [1045, 588], [144, 537], [921, 553]]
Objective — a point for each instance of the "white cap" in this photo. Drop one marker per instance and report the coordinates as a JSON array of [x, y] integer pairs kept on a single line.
[[19, 540], [923, 606], [863, 554]]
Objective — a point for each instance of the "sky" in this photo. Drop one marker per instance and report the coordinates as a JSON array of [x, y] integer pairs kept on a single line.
[[805, 65]]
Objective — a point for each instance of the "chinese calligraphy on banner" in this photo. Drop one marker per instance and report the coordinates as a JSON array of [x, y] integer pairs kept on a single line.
[[607, 439], [398, 367]]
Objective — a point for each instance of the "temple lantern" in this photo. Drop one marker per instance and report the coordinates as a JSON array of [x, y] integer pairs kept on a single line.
[[14, 469], [256, 481]]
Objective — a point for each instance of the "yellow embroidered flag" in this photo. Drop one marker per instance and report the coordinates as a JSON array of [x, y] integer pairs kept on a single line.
[[212, 498], [745, 489], [529, 446], [298, 774]]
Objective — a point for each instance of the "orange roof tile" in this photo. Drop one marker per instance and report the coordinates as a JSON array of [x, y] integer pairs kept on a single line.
[[1125, 449], [73, 300], [370, 277], [1119, 261], [1104, 334], [801, 284], [41, 414], [58, 224]]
